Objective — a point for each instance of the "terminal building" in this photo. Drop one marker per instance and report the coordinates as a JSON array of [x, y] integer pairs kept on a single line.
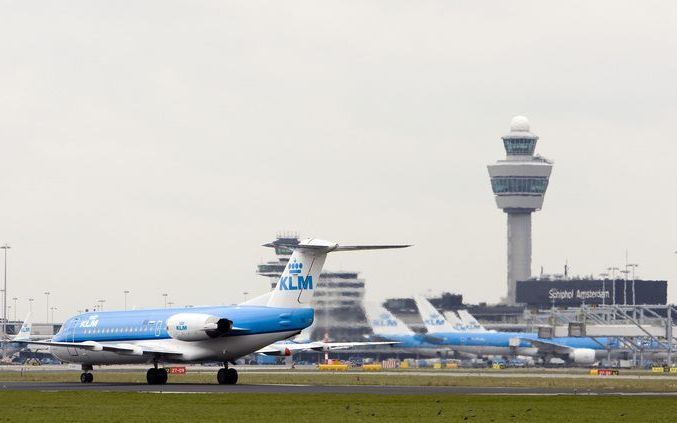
[[545, 293]]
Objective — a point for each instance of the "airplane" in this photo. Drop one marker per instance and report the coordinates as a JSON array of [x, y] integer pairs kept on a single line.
[[573, 349], [288, 348], [199, 334], [9, 346], [24, 331], [470, 323], [302, 342], [388, 327]]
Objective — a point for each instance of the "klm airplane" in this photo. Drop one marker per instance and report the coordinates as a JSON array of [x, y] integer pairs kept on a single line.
[[386, 326], [202, 333], [12, 345], [576, 350]]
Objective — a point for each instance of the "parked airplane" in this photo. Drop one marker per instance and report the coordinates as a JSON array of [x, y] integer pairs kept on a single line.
[[24, 331], [386, 326], [9, 346], [470, 323], [201, 333], [576, 350]]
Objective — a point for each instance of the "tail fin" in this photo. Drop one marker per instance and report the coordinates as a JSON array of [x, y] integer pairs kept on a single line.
[[25, 331], [299, 280], [453, 319], [383, 323], [470, 322], [433, 319]]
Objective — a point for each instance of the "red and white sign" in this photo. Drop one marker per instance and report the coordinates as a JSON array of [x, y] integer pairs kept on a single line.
[[176, 370]]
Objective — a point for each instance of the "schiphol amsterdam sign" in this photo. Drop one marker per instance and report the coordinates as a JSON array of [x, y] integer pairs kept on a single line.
[[578, 292]]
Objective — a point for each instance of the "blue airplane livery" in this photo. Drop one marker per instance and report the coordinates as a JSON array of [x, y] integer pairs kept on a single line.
[[574, 349], [388, 327], [199, 334]]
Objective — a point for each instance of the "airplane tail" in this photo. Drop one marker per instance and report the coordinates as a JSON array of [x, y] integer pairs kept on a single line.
[[433, 319], [470, 322], [25, 331], [299, 280], [454, 320], [383, 323]]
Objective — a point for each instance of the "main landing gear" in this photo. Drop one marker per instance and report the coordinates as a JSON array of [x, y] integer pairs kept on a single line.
[[226, 376], [85, 376], [156, 376]]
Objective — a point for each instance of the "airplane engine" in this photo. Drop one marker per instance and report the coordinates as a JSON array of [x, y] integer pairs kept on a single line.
[[582, 356], [197, 327]]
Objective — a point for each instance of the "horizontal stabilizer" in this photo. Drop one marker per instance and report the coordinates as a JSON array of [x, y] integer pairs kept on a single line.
[[370, 247]]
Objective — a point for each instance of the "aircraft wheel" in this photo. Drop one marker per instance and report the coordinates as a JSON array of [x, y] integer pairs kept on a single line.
[[162, 376], [84, 378], [90, 378], [221, 376], [152, 376], [231, 376]]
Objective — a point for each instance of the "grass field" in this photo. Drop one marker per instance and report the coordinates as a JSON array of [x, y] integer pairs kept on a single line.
[[130, 407], [313, 378]]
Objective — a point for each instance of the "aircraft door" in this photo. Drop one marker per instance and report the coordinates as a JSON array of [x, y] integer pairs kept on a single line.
[[70, 335]]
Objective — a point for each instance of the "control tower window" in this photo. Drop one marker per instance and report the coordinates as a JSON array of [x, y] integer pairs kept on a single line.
[[519, 146], [519, 185]]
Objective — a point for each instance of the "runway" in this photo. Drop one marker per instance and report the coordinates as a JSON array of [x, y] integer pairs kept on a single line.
[[193, 388]]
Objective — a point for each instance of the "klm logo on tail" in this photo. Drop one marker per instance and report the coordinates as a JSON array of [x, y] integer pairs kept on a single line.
[[434, 320], [384, 320], [296, 282]]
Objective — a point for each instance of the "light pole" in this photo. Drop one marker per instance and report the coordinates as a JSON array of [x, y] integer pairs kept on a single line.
[[634, 266], [52, 309], [125, 292], [47, 295], [4, 294], [604, 276], [245, 296], [625, 286], [165, 296], [30, 305], [171, 303], [613, 277], [15, 298], [101, 301]]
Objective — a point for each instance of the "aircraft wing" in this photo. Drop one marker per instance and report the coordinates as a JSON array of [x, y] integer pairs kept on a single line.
[[324, 346], [548, 346], [287, 349], [125, 349]]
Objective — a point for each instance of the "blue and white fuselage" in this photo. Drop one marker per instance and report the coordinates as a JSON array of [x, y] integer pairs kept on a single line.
[[202, 333], [514, 343], [159, 330]]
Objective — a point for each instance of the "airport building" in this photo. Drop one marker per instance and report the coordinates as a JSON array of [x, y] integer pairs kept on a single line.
[[519, 183], [545, 293]]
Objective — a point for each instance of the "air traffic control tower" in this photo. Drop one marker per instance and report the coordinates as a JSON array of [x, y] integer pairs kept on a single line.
[[519, 183]]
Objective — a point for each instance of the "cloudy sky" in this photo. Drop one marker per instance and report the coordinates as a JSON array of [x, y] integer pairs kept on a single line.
[[152, 146]]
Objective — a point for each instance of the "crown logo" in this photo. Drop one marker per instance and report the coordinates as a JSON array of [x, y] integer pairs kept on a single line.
[[295, 268]]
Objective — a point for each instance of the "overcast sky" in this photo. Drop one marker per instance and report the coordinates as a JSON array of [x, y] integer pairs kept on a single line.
[[154, 145]]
